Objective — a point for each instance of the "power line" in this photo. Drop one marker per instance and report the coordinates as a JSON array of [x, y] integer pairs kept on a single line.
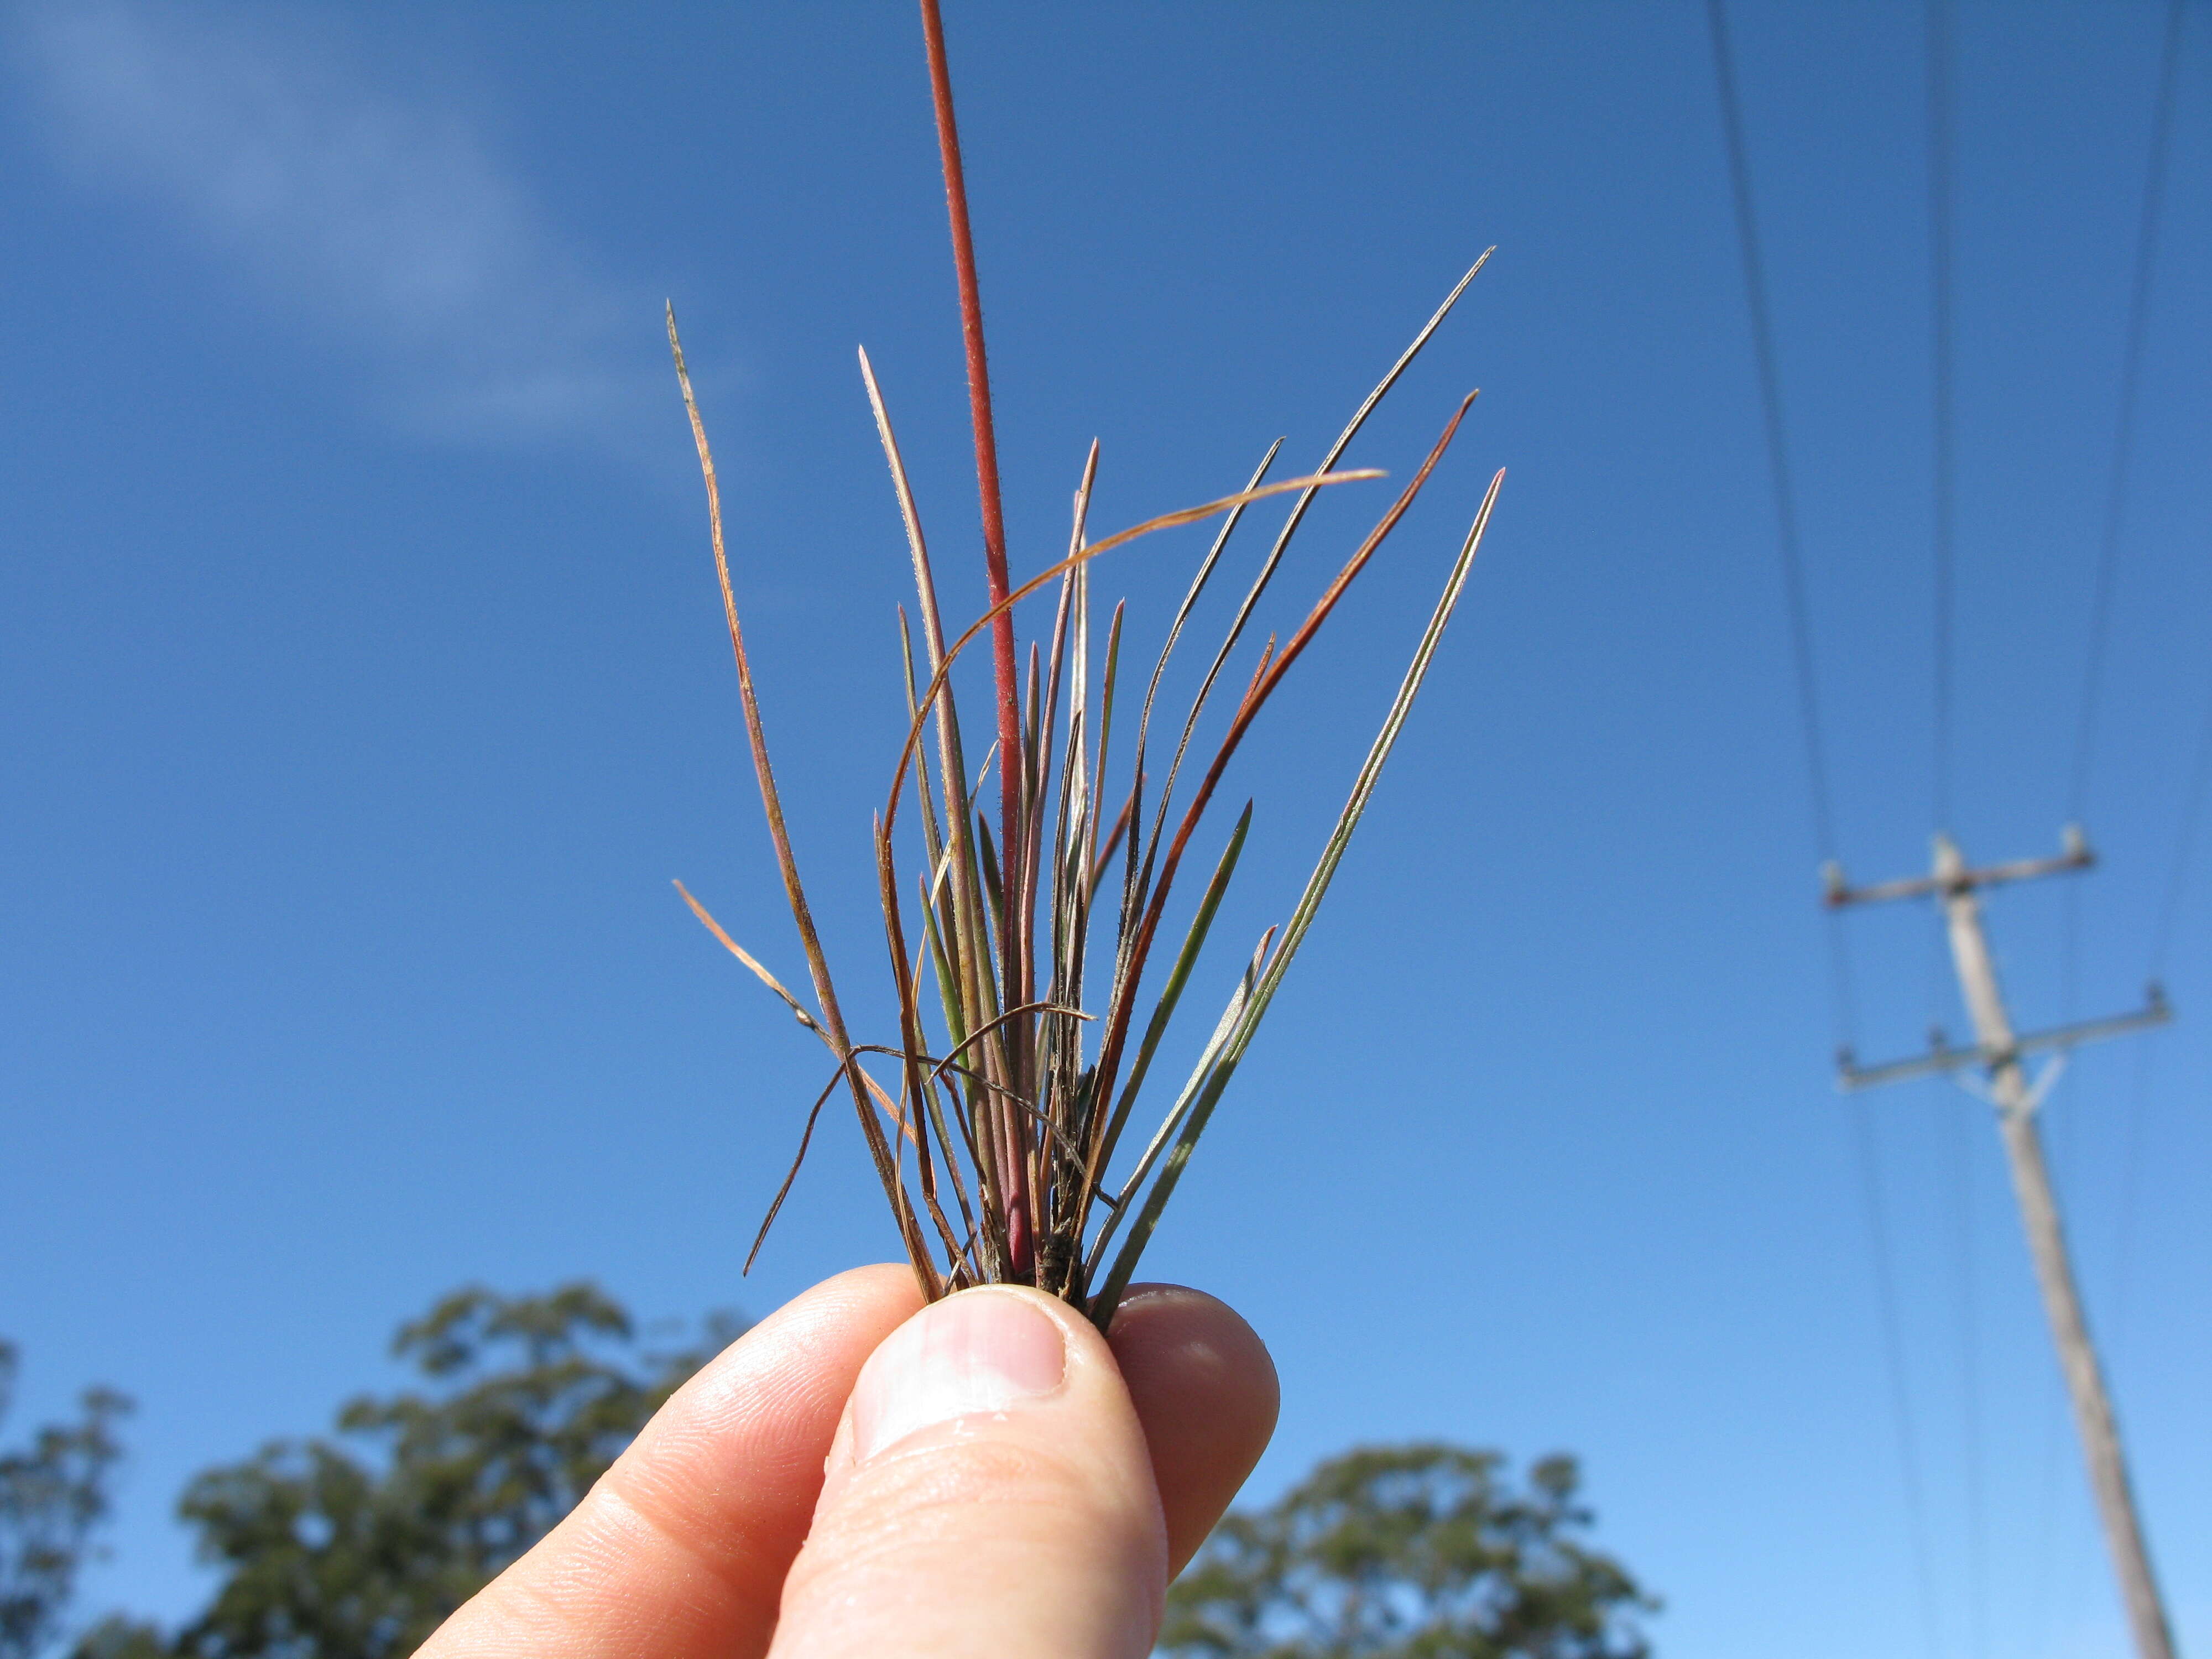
[[2000, 1052], [1892, 1342], [2010, 1090], [2131, 354], [2100, 598], [1970, 1378], [2130, 1178], [1778, 451], [1943, 474], [1789, 549], [1944, 471], [2108, 544], [2169, 910], [2176, 876], [1787, 542], [2201, 768], [2041, 1619]]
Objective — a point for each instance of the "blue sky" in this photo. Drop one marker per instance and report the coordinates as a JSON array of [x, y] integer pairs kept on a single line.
[[365, 688]]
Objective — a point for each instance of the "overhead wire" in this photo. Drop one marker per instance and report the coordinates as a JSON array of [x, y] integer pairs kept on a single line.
[[2039, 1611], [2103, 580], [2131, 355], [1787, 542], [1943, 479], [2200, 771], [1944, 473], [1790, 550], [2105, 574], [2169, 911], [1868, 1157], [2131, 1148], [2177, 875], [1943, 631], [1959, 1128]]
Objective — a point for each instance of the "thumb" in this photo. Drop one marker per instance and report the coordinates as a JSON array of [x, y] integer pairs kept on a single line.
[[988, 1490]]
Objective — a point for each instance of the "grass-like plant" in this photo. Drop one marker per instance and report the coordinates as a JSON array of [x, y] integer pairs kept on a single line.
[[1013, 1104]]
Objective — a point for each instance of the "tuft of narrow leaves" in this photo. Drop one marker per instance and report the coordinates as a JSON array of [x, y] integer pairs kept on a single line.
[[1026, 1021]]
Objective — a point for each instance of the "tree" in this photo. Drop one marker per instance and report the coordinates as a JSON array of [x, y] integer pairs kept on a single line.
[[52, 1494], [1417, 1552], [359, 1546]]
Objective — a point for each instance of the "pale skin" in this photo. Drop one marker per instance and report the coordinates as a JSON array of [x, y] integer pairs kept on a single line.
[[859, 1476]]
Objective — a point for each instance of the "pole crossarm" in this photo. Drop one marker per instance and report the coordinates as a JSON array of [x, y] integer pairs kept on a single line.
[[1997, 1049], [1941, 1058], [2075, 855]]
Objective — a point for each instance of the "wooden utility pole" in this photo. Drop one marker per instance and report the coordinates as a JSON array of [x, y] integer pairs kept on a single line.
[[1998, 1052]]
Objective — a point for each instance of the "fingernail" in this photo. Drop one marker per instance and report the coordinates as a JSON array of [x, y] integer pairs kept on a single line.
[[977, 1353]]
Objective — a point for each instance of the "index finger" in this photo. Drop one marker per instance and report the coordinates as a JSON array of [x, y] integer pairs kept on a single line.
[[682, 1547]]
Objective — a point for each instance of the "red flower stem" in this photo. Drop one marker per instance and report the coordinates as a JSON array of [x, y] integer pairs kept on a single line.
[[1004, 670]]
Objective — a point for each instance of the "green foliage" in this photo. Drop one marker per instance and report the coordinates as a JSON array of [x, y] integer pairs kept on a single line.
[[118, 1638], [52, 1494], [1417, 1552], [358, 1546]]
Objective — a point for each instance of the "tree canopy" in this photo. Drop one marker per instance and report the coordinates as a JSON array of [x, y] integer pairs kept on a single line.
[[1418, 1552], [53, 1492], [358, 1546]]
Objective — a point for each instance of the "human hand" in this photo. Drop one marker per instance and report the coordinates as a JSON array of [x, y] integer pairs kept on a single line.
[[855, 1477]]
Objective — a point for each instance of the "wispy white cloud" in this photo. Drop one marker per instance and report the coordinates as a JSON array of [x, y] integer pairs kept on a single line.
[[378, 211]]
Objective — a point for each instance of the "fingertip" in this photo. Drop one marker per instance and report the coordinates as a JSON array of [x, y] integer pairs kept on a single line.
[[989, 1444], [1205, 1391]]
